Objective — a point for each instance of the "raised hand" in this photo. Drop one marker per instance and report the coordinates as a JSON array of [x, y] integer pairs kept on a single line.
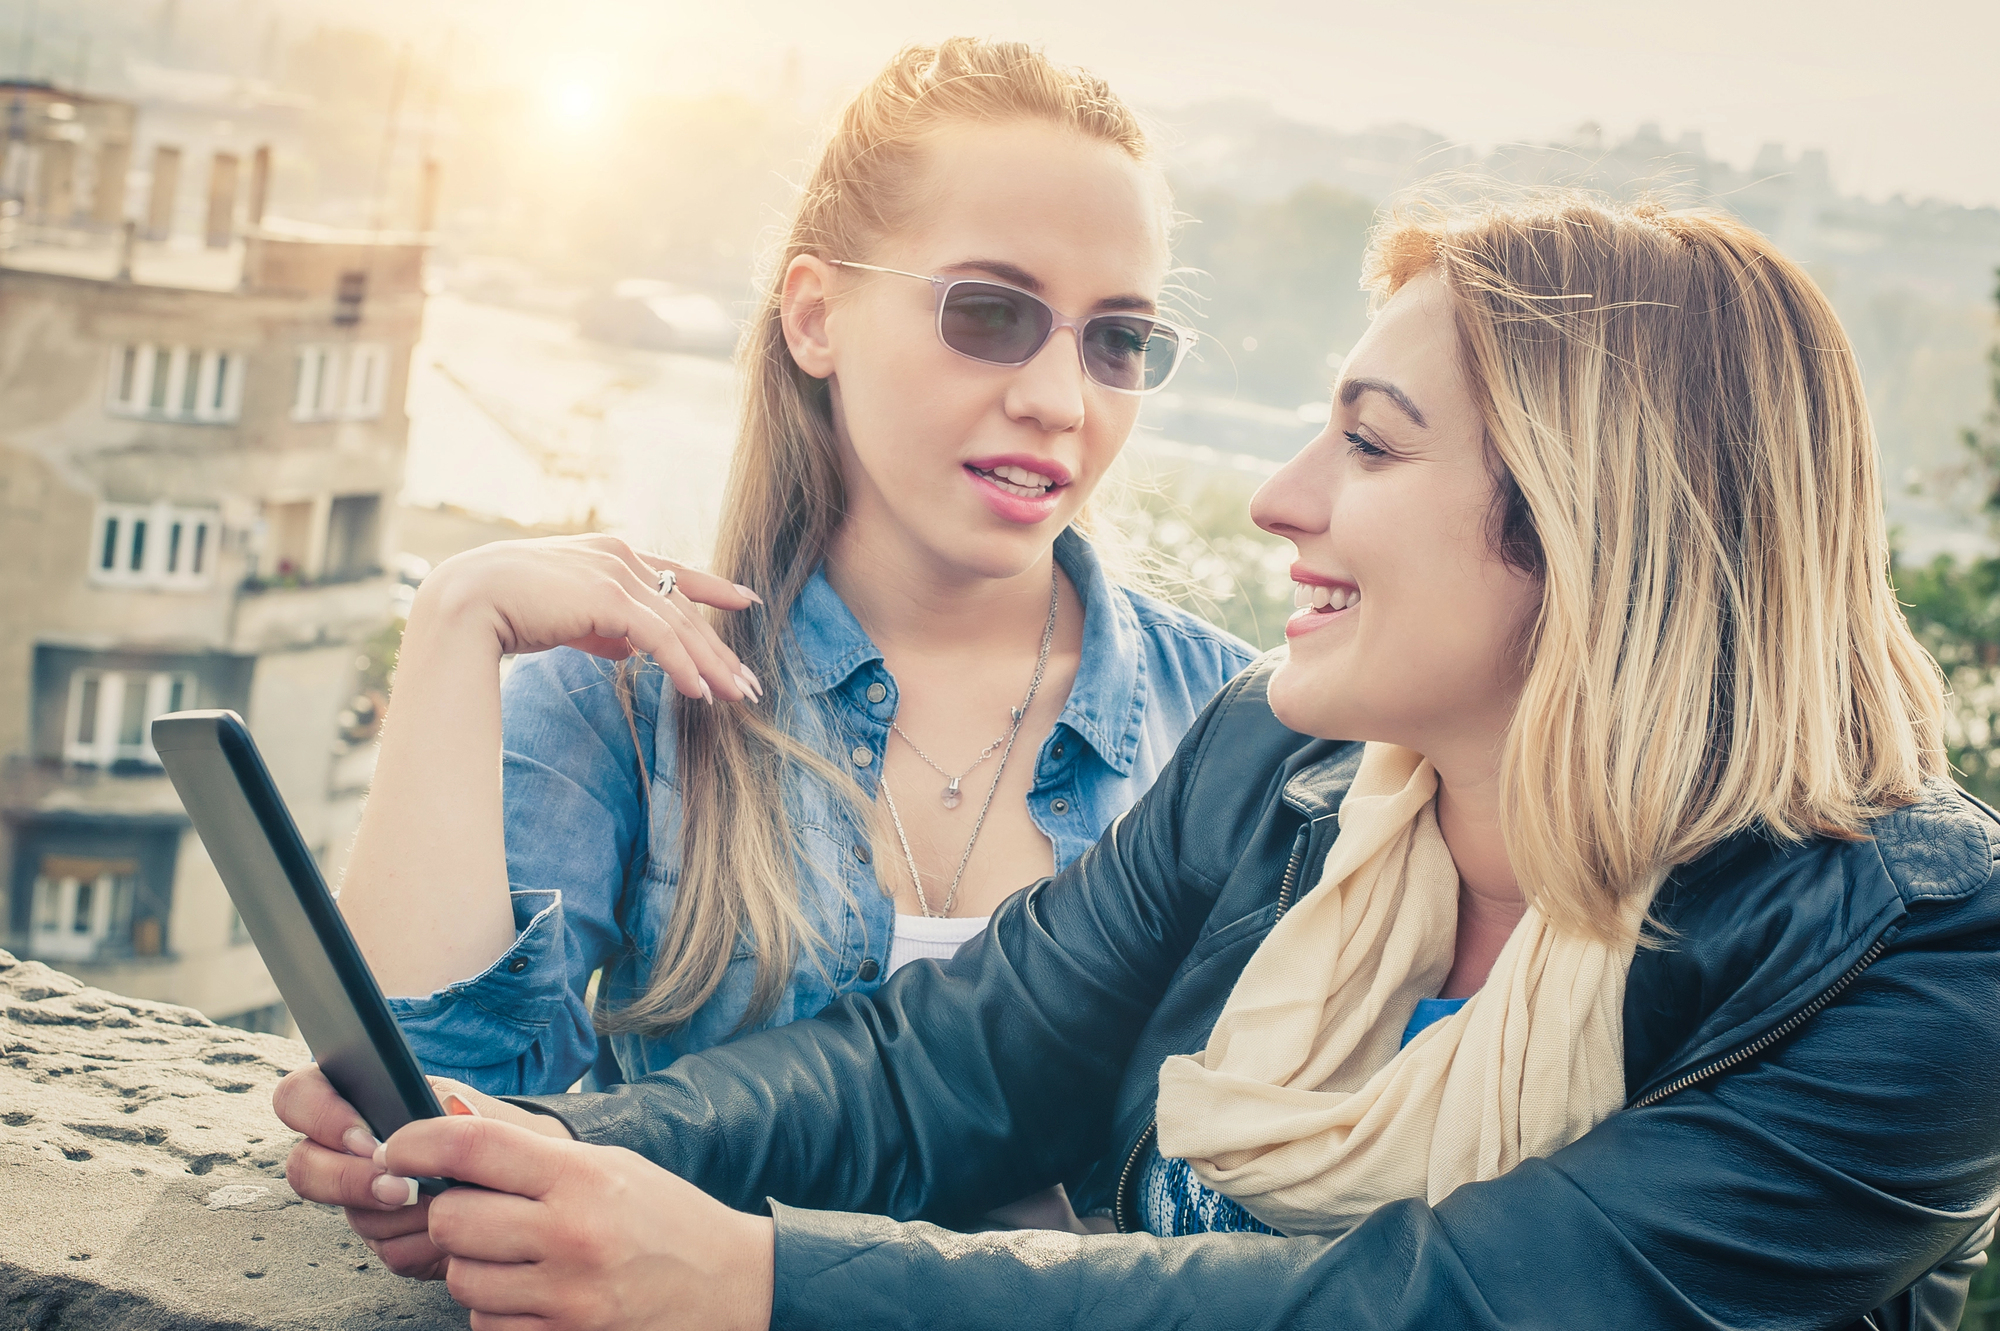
[[598, 594]]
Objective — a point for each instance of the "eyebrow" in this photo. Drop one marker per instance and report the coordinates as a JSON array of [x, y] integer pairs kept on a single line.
[[1015, 275], [1351, 389]]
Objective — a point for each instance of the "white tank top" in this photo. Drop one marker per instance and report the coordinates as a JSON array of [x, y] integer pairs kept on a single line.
[[920, 936]]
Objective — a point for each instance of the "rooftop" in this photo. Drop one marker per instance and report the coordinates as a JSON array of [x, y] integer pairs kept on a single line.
[[183, 263], [188, 266]]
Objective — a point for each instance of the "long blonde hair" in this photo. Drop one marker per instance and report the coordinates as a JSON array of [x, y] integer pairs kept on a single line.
[[1688, 466], [739, 854]]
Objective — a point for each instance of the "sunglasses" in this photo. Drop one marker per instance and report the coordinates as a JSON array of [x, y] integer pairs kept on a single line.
[[996, 324]]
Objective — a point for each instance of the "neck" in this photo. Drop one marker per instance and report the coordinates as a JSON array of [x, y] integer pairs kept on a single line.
[[906, 599], [1468, 808]]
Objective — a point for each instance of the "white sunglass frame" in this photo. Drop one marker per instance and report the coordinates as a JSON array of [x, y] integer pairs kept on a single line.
[[1184, 337]]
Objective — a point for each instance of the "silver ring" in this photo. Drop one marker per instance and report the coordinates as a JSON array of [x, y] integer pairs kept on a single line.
[[668, 580]]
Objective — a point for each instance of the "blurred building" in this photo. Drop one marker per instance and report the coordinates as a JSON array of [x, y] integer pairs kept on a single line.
[[66, 158], [201, 442]]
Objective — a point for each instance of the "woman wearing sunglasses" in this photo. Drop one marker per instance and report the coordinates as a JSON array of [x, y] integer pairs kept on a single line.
[[922, 690], [1600, 728]]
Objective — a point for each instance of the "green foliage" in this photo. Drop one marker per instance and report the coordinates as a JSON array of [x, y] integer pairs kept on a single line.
[[1982, 1306], [1274, 290], [1212, 560], [1955, 609], [1983, 440]]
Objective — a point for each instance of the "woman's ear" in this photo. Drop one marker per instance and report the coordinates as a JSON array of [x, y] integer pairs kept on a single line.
[[803, 309]]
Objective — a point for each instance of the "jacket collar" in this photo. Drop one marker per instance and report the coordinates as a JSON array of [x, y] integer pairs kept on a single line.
[[1107, 701], [1320, 777]]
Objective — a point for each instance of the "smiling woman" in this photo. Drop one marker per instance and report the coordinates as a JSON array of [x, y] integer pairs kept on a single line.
[[1575, 929]]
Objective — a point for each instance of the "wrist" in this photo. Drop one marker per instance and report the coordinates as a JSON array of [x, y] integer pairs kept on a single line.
[[758, 1267], [450, 607]]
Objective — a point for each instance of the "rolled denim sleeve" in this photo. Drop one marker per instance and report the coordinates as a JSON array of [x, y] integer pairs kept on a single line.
[[575, 821], [506, 1027]]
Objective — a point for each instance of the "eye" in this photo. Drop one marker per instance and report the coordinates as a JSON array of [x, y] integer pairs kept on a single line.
[[1362, 446], [987, 314], [1120, 341]]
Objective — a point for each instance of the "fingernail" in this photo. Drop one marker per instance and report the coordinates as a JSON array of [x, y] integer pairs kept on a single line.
[[708, 694], [749, 689], [747, 592], [380, 1155], [455, 1105], [393, 1191], [753, 676], [359, 1141]]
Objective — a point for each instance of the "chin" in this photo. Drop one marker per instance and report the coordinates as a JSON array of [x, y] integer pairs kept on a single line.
[[1304, 699], [995, 554]]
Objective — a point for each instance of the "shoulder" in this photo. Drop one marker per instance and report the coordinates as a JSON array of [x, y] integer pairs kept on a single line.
[[563, 694], [1939, 848], [1188, 640]]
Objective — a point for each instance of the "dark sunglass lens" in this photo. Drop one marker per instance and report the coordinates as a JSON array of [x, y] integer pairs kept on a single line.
[[1129, 352], [993, 323]]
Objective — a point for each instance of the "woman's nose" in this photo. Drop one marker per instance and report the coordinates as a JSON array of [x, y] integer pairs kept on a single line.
[[1048, 390], [1298, 499]]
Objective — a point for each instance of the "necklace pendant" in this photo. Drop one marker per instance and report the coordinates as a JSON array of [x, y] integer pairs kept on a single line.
[[951, 796]]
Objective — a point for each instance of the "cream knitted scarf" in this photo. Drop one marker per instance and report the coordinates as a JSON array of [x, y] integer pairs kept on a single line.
[[1302, 1109]]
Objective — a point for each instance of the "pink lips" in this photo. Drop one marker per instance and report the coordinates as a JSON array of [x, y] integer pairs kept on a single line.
[[1023, 510], [1306, 619]]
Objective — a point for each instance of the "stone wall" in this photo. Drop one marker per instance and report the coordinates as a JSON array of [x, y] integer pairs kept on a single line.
[[142, 1178]]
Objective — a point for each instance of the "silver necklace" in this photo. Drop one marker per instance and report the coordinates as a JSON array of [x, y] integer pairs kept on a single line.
[[950, 794], [1006, 744]]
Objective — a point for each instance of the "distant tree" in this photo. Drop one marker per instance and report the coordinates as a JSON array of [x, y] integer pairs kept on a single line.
[[1954, 607], [1274, 287], [1983, 439]]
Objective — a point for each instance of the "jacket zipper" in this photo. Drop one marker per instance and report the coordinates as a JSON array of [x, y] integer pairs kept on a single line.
[[1285, 890], [1768, 1038]]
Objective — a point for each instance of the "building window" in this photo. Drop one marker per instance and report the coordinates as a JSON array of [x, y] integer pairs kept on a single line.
[[348, 296], [111, 713], [366, 369], [158, 545], [342, 382], [89, 887], [79, 904], [284, 549], [354, 536], [176, 384]]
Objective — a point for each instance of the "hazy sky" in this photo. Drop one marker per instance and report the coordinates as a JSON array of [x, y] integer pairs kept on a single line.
[[1902, 96]]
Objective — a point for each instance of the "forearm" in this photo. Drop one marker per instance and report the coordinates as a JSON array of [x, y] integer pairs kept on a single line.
[[426, 886]]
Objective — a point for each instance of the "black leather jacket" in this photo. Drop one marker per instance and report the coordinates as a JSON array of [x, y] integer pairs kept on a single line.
[[1812, 1137]]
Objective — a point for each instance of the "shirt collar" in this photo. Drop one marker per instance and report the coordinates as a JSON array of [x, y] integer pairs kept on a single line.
[[1107, 702]]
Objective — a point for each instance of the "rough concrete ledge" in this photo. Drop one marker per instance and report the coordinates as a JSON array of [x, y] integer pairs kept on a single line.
[[142, 1178]]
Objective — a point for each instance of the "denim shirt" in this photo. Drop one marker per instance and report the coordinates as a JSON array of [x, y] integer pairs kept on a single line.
[[593, 875]]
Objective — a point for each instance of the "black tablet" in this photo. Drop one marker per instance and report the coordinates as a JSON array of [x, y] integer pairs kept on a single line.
[[292, 918]]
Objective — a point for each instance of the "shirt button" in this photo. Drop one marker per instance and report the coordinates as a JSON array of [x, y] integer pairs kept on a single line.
[[517, 965], [861, 852], [869, 969], [1060, 806], [1056, 752], [862, 755], [877, 692]]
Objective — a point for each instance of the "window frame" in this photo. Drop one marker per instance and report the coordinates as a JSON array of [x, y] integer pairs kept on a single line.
[[104, 747], [188, 385], [161, 560], [347, 381]]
